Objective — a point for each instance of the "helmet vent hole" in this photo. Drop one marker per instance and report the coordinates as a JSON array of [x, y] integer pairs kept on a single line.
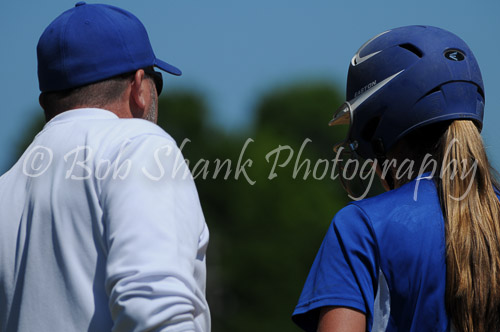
[[480, 91], [436, 89], [412, 48]]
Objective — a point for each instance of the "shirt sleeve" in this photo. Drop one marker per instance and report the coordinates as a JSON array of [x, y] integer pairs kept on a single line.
[[344, 272], [155, 236]]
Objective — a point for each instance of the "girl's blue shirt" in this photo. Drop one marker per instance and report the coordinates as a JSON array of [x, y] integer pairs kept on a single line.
[[384, 256]]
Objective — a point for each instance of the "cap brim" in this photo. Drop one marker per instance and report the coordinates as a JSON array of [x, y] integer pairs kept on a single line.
[[167, 67]]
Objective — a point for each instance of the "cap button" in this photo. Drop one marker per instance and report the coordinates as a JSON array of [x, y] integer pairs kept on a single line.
[[80, 3]]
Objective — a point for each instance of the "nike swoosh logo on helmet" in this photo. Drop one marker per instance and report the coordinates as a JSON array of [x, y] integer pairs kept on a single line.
[[347, 113], [364, 96], [356, 59]]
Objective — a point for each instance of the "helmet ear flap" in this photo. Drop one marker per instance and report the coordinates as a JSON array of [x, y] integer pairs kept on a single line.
[[368, 135]]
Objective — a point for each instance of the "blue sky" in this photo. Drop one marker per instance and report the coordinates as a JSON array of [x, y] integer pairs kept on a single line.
[[234, 51]]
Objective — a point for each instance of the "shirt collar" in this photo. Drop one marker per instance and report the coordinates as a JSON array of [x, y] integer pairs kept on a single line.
[[81, 113]]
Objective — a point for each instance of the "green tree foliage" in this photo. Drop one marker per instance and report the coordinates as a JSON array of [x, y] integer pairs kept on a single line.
[[266, 227]]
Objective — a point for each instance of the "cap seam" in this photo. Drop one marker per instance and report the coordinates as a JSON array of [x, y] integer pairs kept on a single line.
[[123, 44], [63, 47]]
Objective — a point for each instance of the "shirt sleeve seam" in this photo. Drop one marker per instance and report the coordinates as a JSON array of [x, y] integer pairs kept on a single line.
[[372, 230]]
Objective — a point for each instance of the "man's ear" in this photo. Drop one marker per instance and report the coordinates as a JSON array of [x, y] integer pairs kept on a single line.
[[138, 93]]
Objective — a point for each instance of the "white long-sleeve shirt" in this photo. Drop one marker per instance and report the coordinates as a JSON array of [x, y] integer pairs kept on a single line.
[[101, 229]]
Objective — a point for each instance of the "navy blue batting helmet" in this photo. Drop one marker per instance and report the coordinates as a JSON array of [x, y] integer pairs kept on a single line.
[[404, 79]]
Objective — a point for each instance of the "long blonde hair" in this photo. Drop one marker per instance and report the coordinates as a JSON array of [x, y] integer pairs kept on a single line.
[[472, 221], [471, 210]]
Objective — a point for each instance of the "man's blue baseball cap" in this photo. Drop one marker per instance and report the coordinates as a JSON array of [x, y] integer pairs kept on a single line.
[[91, 43]]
